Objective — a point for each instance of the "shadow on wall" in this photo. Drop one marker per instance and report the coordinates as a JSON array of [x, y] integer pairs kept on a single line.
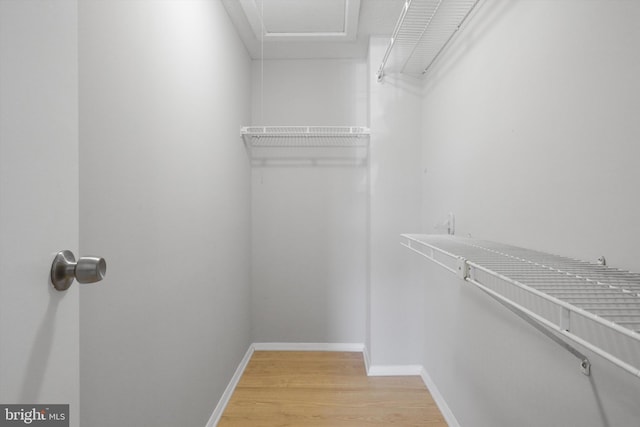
[[475, 29], [41, 350], [598, 400], [347, 156], [404, 82]]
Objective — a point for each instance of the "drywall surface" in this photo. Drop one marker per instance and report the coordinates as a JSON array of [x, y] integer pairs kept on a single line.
[[309, 207], [531, 139], [530, 136], [395, 317], [38, 203], [164, 195], [313, 92], [494, 369]]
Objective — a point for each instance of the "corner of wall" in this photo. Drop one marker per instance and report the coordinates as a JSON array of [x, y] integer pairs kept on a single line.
[[228, 391], [446, 411]]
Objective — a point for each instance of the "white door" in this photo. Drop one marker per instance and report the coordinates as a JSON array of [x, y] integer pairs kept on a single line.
[[38, 201]]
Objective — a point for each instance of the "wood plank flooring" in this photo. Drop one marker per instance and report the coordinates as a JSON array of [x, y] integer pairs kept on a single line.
[[294, 388]]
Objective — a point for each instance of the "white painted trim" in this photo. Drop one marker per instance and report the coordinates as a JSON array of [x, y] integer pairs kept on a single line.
[[372, 371], [367, 360], [394, 370], [288, 346], [253, 13], [411, 370], [228, 392], [439, 399]]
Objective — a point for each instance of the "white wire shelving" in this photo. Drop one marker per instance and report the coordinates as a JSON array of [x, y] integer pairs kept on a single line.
[[422, 31], [300, 145], [593, 305], [305, 136]]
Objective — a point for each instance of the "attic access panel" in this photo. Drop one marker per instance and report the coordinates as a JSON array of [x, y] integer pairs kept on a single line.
[[304, 16], [303, 20]]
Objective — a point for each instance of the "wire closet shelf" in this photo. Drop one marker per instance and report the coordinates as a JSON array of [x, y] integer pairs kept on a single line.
[[423, 30], [593, 305], [305, 136]]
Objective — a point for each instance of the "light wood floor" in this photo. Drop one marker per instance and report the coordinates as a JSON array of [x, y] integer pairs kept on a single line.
[[325, 389]]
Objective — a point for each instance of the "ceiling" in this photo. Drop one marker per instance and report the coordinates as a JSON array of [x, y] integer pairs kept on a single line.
[[312, 28], [304, 17]]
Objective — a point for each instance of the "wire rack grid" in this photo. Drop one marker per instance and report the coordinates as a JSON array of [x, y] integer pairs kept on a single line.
[[593, 305]]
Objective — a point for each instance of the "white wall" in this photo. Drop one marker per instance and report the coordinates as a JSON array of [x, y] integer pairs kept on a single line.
[[164, 89], [309, 229], [536, 134], [395, 311], [530, 136], [320, 92], [38, 202]]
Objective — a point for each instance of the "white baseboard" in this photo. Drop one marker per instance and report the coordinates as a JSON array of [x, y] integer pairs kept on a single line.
[[373, 371], [439, 399], [394, 370], [273, 346], [288, 346], [228, 392], [367, 361], [411, 370]]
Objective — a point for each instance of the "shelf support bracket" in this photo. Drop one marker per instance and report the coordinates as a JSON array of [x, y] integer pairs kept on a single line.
[[462, 268], [585, 365]]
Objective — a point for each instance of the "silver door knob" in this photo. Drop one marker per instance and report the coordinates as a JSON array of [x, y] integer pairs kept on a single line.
[[65, 268]]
